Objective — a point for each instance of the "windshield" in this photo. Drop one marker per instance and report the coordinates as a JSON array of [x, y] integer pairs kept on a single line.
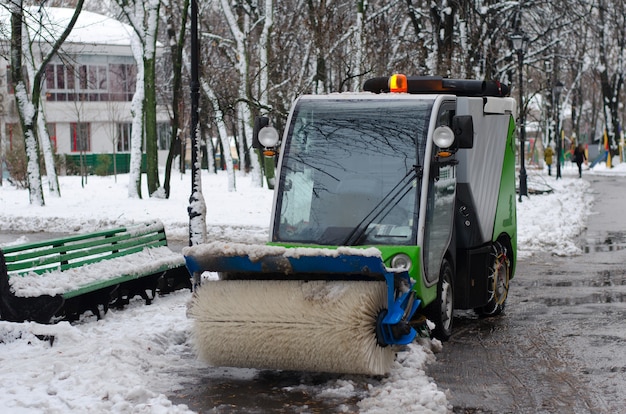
[[350, 172]]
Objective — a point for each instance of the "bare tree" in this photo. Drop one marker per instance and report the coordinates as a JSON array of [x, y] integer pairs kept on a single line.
[[28, 101], [115, 130], [143, 17], [176, 37], [240, 27], [612, 35]]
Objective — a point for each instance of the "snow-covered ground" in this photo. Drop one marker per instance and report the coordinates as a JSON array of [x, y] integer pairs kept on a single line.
[[130, 360]]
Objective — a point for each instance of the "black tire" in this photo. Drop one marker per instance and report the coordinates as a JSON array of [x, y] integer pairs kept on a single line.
[[441, 311], [498, 282]]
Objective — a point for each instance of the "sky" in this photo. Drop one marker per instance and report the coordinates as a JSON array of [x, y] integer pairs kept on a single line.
[[130, 360]]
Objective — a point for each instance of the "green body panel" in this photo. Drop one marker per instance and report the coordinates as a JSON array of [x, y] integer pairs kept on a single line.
[[506, 212], [424, 293]]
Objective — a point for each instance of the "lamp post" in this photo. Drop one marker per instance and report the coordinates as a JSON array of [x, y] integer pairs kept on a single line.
[[197, 206], [556, 93], [520, 41]]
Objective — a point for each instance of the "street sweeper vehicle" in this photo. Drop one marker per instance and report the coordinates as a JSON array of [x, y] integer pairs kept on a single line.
[[393, 207]]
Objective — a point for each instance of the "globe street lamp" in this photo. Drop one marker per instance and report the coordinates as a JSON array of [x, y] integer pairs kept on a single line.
[[556, 94], [520, 42]]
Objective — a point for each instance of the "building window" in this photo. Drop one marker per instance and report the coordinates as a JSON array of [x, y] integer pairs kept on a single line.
[[123, 136], [122, 82], [108, 82], [81, 137]]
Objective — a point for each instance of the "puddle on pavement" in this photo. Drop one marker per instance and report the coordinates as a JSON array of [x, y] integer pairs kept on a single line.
[[599, 297], [602, 278], [613, 241], [269, 391]]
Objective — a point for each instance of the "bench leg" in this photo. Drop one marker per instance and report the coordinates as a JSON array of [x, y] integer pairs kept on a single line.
[[92, 301], [146, 287], [13, 308], [173, 280]]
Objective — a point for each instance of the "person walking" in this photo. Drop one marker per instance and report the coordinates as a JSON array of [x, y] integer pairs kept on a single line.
[[579, 158], [547, 157]]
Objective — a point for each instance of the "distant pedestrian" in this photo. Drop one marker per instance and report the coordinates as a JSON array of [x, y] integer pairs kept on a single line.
[[547, 157], [579, 157]]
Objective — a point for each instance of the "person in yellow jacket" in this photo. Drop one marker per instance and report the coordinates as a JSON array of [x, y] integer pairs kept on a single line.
[[547, 157]]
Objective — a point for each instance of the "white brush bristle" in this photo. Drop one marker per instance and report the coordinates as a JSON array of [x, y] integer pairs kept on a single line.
[[325, 326]]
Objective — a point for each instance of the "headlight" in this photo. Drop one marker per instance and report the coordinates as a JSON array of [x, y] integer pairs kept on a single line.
[[401, 261], [268, 137], [443, 137]]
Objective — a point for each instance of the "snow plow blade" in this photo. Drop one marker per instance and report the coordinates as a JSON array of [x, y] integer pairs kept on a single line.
[[273, 259], [307, 309]]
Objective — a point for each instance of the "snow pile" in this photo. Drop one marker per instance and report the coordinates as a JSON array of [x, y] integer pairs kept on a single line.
[[408, 389], [550, 222], [111, 365]]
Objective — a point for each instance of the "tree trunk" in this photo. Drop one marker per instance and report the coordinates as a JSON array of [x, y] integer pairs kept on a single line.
[[226, 158], [143, 17], [244, 112], [48, 155], [25, 107], [177, 43], [152, 156], [136, 135]]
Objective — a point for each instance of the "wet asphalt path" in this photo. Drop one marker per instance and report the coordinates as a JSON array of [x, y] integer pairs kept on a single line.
[[560, 347]]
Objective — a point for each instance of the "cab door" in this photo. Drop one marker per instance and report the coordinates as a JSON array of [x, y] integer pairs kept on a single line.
[[440, 202]]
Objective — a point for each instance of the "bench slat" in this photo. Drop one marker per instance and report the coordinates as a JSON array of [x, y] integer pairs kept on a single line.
[[54, 265], [7, 250], [111, 256], [20, 253], [44, 259]]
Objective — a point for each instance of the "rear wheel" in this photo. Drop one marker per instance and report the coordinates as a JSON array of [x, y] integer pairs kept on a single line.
[[441, 311], [498, 283]]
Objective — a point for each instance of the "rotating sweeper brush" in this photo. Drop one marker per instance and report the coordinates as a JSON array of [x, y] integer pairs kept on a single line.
[[300, 309]]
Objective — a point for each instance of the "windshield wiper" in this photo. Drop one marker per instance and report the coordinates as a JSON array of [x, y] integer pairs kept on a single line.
[[385, 205]]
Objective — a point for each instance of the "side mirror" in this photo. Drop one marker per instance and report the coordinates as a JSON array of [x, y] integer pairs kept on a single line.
[[463, 127], [259, 123]]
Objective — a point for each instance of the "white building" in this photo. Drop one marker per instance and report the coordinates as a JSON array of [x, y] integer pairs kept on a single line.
[[88, 86]]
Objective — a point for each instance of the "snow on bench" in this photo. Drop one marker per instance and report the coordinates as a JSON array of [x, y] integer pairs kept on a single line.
[[119, 269]]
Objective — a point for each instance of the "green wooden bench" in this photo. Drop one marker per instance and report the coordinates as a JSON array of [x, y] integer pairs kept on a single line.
[[63, 277]]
